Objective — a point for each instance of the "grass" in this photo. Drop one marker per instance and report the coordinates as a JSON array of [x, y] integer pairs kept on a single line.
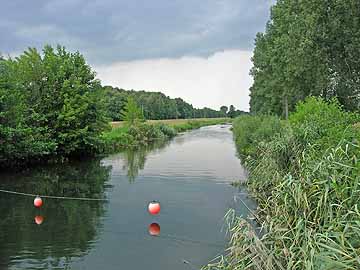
[[305, 175], [177, 122], [122, 136]]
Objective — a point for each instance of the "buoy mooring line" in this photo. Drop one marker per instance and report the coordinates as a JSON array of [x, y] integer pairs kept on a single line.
[[50, 197]]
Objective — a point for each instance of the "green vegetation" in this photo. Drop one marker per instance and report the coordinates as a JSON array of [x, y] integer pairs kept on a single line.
[[135, 132], [132, 113], [309, 48], [156, 105], [143, 134], [305, 175], [50, 105], [52, 108], [304, 171], [197, 123]]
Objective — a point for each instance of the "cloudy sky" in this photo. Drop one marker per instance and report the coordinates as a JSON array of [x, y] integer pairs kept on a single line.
[[199, 50]]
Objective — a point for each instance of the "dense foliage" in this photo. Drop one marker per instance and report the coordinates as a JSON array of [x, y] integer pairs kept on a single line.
[[309, 48], [50, 104], [305, 174], [157, 106]]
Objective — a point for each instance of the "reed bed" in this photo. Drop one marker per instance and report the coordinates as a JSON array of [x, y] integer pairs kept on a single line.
[[305, 175]]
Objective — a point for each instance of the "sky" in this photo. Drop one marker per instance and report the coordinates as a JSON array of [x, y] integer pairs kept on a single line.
[[199, 50]]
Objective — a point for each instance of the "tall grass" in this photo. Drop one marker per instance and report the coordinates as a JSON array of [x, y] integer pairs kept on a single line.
[[306, 178]]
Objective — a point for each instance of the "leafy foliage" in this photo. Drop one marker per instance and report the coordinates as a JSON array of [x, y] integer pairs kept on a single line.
[[309, 48], [249, 131], [50, 104], [155, 105], [224, 109], [306, 178], [132, 113]]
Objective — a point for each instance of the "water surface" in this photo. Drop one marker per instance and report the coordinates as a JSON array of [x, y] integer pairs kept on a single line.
[[189, 175]]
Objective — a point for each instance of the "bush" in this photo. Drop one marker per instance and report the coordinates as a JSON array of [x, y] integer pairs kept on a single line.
[[167, 130], [249, 131], [144, 133], [322, 123], [50, 106]]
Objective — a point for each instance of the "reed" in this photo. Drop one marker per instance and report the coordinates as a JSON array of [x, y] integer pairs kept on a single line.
[[306, 179]]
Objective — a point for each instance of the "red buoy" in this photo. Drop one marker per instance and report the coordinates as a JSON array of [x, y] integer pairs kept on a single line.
[[39, 220], [154, 229], [38, 202], [154, 208]]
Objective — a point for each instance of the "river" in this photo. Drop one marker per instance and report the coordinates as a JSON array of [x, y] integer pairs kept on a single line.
[[189, 175]]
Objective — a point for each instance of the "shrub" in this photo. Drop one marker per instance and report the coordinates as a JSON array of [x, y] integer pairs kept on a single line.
[[322, 123], [167, 130], [144, 133], [249, 131], [50, 106]]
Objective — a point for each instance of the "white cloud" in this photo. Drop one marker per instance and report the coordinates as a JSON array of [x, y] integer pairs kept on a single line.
[[221, 79]]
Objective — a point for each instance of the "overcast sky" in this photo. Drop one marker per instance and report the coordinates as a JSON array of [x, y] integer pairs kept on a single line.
[[199, 50]]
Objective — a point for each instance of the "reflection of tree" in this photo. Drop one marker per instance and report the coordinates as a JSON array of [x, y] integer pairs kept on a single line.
[[69, 226], [135, 158], [134, 162]]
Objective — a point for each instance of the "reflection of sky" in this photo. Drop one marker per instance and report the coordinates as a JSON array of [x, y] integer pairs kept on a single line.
[[207, 153], [192, 207]]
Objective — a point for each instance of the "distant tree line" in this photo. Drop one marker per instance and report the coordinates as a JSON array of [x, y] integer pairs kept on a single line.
[[309, 48], [156, 105]]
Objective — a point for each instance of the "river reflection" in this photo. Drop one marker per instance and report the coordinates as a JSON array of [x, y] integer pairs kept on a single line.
[[134, 159], [190, 176], [52, 236]]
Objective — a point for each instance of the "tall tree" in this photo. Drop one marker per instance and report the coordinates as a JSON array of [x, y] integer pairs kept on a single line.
[[308, 48], [231, 112], [224, 109], [132, 113]]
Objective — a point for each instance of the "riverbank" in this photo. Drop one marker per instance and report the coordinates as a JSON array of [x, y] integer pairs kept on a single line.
[[305, 175], [122, 136], [177, 122]]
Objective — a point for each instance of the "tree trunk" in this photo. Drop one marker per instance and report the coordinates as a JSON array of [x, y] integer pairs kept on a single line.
[[286, 105]]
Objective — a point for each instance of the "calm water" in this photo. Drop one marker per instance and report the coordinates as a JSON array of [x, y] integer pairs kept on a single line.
[[189, 175]]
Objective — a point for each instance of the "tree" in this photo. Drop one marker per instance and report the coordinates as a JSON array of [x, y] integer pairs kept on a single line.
[[224, 109], [155, 105], [51, 105], [132, 113], [308, 48], [231, 112]]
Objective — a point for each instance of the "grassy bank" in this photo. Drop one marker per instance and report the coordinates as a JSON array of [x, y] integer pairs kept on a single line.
[[122, 136], [305, 175], [176, 122]]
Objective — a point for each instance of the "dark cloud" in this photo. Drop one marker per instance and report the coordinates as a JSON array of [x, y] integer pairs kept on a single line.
[[107, 31]]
